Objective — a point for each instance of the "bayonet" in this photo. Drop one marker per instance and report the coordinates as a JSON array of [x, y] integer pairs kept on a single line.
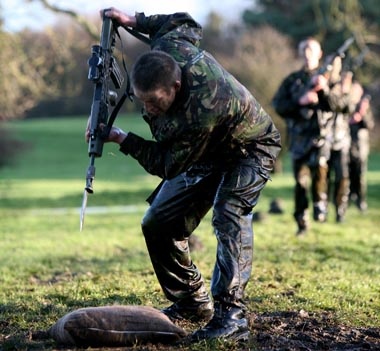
[[83, 209]]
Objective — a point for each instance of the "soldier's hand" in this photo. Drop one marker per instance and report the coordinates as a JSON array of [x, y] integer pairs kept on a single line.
[[309, 98], [364, 106], [346, 82], [120, 17], [320, 82], [356, 118], [116, 135]]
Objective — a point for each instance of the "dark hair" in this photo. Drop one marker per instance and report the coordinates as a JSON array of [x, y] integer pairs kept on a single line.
[[154, 69]]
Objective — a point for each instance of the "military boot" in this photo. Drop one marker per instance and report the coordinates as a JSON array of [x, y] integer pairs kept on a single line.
[[340, 213], [196, 308], [227, 323], [362, 205], [320, 211], [302, 223]]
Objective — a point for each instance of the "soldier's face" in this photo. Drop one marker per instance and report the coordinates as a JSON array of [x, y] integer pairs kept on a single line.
[[311, 54], [157, 102]]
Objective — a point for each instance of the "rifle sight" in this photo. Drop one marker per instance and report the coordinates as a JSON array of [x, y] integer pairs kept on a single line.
[[95, 63]]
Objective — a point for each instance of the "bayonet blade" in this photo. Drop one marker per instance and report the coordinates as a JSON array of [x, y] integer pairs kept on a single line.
[[83, 210]]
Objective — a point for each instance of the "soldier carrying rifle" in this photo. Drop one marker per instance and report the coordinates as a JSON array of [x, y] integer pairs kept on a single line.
[[214, 147], [308, 103]]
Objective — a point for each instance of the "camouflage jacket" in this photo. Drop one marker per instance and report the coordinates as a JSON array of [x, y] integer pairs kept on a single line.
[[214, 120], [309, 126], [367, 124]]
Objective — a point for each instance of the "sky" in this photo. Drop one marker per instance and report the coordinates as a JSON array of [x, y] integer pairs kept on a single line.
[[20, 14]]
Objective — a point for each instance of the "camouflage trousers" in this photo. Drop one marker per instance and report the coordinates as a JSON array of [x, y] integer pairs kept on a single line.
[[339, 181], [178, 206], [358, 166], [310, 174]]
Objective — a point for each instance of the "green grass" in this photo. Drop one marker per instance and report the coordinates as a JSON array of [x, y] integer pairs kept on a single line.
[[48, 267]]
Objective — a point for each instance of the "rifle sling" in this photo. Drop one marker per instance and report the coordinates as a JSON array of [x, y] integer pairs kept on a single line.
[[138, 35], [117, 108], [127, 93]]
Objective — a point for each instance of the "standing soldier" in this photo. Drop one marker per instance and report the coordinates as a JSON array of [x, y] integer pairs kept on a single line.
[[306, 102], [361, 122]]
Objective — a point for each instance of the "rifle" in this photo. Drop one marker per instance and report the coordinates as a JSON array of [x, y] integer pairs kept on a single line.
[[355, 63], [328, 63], [103, 70]]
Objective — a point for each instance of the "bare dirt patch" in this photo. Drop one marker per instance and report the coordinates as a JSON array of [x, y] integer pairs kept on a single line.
[[299, 331]]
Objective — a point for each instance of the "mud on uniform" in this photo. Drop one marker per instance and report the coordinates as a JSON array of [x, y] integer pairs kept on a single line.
[[214, 148]]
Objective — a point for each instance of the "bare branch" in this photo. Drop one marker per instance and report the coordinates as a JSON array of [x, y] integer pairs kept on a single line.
[[81, 20]]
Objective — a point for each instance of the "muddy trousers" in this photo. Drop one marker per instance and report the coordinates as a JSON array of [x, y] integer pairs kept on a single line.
[[310, 175], [358, 166], [339, 181], [177, 208]]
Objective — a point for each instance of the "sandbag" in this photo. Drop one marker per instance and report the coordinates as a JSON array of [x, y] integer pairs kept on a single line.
[[115, 326]]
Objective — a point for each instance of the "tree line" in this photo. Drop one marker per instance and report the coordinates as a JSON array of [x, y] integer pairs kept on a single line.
[[44, 73]]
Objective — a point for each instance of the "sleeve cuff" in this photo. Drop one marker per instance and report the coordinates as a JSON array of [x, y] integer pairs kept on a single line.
[[124, 146], [130, 144]]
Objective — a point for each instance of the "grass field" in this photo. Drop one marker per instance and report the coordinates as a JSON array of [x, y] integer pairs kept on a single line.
[[48, 267]]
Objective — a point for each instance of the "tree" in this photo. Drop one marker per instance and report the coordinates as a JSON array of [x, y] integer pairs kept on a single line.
[[88, 26], [330, 22], [22, 84], [72, 42], [63, 51]]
